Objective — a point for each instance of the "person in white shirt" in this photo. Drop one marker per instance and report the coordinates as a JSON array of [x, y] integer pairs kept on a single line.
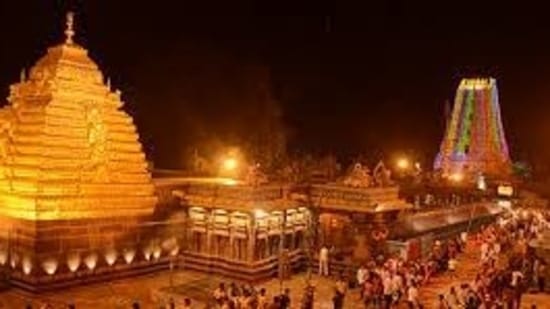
[[412, 296], [361, 276], [516, 276], [387, 285], [396, 287], [323, 261], [452, 264], [484, 251]]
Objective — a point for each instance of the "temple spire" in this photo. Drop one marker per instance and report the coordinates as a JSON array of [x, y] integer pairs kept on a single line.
[[69, 31]]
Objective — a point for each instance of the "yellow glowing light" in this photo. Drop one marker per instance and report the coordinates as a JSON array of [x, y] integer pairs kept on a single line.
[[73, 261], [91, 261], [3, 256], [260, 213], [14, 260], [505, 190], [403, 163], [230, 182], [175, 251], [27, 265], [129, 255], [230, 164], [147, 251], [50, 266], [156, 252], [110, 256], [456, 177]]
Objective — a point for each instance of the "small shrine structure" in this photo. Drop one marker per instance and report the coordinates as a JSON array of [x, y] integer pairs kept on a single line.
[[355, 212], [242, 229]]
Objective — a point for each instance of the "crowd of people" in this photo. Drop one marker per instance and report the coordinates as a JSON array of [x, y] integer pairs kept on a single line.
[[503, 278], [387, 283], [234, 296]]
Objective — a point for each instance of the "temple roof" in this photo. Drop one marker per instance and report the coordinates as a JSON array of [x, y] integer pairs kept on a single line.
[[67, 149]]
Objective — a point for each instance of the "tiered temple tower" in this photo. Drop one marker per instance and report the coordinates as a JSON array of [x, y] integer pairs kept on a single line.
[[74, 183], [474, 140]]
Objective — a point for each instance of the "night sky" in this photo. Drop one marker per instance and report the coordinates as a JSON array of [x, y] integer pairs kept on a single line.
[[372, 81]]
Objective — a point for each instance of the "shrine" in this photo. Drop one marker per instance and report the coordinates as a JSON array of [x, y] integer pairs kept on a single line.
[[356, 212], [242, 229], [74, 184]]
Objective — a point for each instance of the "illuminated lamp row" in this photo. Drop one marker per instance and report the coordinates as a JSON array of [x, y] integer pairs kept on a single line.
[[74, 260]]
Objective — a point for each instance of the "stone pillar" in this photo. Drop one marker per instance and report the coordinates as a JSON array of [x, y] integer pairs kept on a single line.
[[209, 218], [251, 238]]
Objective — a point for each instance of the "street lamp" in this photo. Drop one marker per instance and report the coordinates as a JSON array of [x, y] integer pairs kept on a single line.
[[403, 164], [456, 177], [229, 164]]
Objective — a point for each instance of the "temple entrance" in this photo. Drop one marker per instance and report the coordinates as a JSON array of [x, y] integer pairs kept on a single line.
[[335, 230]]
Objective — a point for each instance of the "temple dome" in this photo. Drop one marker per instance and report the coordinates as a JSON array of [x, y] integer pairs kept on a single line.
[[62, 61], [67, 149]]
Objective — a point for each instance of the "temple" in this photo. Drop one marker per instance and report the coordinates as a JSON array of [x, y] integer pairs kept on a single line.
[[73, 175], [474, 140], [78, 203]]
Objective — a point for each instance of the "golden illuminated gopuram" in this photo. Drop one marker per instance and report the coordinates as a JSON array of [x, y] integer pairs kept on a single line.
[[74, 183]]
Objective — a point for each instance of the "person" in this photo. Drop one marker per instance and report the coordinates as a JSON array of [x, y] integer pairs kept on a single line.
[[361, 277], [284, 300], [516, 276], [220, 294], [323, 261], [307, 302], [412, 296], [541, 273], [262, 299], [442, 302], [452, 263], [338, 300], [171, 303], [135, 305], [187, 303], [276, 303], [484, 251], [341, 285], [453, 299]]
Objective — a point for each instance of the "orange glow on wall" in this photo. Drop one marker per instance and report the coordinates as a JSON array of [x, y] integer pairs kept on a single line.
[[49, 266], [129, 255], [91, 261], [73, 261]]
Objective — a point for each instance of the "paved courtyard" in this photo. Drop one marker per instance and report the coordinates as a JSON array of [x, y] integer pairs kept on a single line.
[[151, 290]]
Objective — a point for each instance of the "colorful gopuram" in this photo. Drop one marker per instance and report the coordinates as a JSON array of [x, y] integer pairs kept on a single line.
[[74, 184], [474, 141]]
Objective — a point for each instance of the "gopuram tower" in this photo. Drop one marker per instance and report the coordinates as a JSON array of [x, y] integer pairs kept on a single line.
[[74, 184], [474, 140]]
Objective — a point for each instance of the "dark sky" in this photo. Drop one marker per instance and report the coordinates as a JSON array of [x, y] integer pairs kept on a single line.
[[348, 79]]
